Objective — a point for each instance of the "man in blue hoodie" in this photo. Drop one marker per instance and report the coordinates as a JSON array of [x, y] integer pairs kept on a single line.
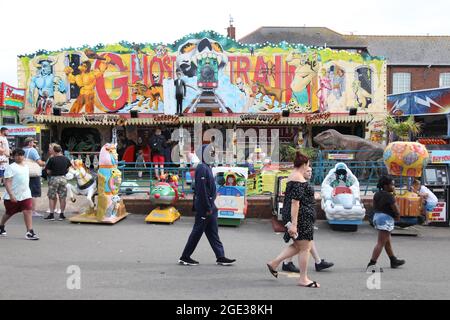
[[206, 212]]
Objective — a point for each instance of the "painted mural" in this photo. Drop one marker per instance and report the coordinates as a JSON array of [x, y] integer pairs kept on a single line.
[[219, 73], [420, 102]]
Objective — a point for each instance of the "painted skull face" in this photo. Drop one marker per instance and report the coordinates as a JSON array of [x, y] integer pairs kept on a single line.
[[194, 52], [155, 77], [240, 84], [46, 68]]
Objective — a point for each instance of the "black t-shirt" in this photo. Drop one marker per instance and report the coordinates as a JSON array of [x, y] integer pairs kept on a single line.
[[157, 144], [58, 166], [382, 202]]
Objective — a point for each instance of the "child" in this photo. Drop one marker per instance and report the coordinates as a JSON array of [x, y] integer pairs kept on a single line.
[[3, 163], [386, 213], [140, 162], [428, 197]]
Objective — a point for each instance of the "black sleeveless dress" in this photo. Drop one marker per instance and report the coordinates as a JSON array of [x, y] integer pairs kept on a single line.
[[303, 192]]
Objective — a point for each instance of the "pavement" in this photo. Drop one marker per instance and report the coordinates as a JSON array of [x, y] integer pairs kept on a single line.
[[134, 260]]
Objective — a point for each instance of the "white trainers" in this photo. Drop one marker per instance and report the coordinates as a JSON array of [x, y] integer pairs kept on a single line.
[[37, 214]]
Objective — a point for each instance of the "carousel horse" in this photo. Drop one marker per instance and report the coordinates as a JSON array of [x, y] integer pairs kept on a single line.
[[86, 182], [341, 198]]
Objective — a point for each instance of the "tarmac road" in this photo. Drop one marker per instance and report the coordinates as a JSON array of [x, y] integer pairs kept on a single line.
[[134, 260]]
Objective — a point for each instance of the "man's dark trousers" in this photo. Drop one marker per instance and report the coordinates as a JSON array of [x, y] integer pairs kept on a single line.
[[179, 99], [208, 225]]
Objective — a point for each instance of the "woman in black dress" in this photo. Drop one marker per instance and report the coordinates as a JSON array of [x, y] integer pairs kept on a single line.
[[298, 209]]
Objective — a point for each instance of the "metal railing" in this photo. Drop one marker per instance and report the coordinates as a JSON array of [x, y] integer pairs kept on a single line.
[[139, 179]]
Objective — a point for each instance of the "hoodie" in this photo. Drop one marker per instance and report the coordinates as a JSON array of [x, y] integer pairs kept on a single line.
[[205, 187]]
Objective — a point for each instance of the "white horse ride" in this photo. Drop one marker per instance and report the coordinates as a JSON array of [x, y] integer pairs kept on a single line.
[[86, 182]]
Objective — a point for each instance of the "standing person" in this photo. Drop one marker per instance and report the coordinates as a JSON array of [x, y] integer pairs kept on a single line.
[[57, 168], [35, 181], [180, 92], [157, 145], [3, 163], [206, 212], [168, 149], [140, 162], [18, 194], [320, 264], [4, 143], [298, 209], [50, 153], [385, 212]]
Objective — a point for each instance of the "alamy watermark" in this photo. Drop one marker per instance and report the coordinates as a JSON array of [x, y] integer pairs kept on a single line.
[[230, 146], [373, 282], [73, 281]]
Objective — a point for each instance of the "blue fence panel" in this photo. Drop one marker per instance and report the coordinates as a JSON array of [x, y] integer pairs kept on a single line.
[[139, 179]]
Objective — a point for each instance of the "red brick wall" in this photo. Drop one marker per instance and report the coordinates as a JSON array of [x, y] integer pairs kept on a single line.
[[421, 77]]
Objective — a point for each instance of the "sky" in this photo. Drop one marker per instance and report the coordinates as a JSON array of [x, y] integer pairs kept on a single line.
[[29, 25]]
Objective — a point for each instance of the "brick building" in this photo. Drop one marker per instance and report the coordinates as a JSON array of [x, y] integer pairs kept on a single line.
[[414, 62]]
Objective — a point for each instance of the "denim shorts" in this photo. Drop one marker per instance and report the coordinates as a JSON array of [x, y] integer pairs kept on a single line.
[[383, 222]]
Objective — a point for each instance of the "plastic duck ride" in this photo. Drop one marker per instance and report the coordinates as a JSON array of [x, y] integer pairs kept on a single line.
[[341, 199]]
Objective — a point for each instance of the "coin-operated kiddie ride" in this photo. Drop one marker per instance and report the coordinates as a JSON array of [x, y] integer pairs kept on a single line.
[[164, 195], [231, 200], [407, 159], [341, 199], [110, 208]]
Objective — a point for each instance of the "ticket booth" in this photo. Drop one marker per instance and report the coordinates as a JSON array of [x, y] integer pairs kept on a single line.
[[436, 178]]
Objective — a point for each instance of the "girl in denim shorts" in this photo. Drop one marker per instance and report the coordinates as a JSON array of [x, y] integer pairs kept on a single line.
[[386, 213]]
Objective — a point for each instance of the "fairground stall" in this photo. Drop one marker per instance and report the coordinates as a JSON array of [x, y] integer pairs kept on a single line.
[[431, 108], [254, 101]]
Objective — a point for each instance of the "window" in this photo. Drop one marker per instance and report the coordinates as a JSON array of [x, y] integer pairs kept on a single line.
[[401, 82], [444, 79], [9, 120]]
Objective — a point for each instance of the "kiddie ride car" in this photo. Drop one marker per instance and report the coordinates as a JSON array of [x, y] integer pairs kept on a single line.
[[341, 199], [164, 195], [231, 198]]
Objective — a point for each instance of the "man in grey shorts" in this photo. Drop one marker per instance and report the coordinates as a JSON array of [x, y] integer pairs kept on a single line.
[[57, 167]]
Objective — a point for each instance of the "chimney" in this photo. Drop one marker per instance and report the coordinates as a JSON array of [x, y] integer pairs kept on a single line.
[[231, 31]]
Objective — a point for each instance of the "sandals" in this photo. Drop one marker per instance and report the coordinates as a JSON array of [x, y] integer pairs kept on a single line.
[[311, 285], [272, 271]]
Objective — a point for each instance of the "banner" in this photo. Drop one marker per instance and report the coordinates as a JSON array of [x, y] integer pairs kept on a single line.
[[11, 97]]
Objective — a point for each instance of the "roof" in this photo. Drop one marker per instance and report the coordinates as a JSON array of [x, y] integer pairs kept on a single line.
[[398, 50], [411, 50], [309, 36]]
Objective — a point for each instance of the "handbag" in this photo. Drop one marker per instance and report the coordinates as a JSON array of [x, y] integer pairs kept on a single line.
[[33, 166]]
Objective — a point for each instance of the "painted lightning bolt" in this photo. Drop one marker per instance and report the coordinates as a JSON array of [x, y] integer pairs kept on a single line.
[[398, 104], [427, 103]]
